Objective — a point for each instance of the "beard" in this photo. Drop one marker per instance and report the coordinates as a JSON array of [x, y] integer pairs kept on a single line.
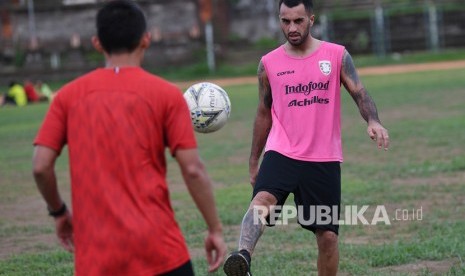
[[298, 42]]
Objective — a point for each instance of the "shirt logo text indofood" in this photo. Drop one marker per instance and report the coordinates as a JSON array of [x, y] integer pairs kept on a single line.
[[306, 89]]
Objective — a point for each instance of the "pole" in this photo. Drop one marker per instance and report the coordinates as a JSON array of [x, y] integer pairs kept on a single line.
[[32, 25], [433, 26], [272, 24], [210, 46], [380, 47], [206, 17], [324, 27]]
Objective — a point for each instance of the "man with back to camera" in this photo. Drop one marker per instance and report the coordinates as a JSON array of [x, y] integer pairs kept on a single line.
[[298, 124], [117, 122]]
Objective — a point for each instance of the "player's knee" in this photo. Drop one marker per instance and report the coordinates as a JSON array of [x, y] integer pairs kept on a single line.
[[327, 241], [263, 199]]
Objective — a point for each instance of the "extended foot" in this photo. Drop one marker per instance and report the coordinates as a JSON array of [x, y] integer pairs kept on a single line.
[[237, 264]]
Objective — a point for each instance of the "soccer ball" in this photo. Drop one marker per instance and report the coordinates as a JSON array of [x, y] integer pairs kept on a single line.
[[209, 106]]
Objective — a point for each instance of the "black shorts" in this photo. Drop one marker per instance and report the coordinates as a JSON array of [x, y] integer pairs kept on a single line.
[[316, 187], [184, 270]]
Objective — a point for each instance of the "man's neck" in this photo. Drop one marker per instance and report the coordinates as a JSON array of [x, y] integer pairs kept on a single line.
[[133, 59], [303, 50]]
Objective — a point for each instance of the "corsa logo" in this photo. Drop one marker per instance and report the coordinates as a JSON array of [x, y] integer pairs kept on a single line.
[[285, 73], [306, 89]]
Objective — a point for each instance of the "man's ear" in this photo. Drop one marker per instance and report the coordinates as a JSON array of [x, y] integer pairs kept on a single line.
[[145, 40], [96, 43]]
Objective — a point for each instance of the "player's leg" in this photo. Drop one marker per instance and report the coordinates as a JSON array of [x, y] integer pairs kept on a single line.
[[238, 262], [319, 197], [273, 185], [8, 100], [328, 252], [253, 223]]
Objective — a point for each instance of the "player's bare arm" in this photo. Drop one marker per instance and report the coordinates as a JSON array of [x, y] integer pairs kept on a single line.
[[366, 105], [200, 188], [262, 124], [44, 174]]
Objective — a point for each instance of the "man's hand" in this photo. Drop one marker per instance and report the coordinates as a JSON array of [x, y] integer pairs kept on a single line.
[[64, 231], [215, 249], [378, 134]]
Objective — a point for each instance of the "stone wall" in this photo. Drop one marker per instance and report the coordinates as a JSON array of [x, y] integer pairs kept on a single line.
[[405, 26], [64, 32], [64, 36]]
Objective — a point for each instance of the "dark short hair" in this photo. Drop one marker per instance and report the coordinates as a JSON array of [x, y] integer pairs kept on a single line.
[[292, 3], [120, 26]]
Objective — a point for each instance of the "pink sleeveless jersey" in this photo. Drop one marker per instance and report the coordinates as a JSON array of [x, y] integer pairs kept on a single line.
[[306, 109]]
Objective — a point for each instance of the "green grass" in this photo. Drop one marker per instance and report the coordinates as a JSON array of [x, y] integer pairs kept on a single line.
[[49, 263], [200, 70], [425, 168], [410, 57]]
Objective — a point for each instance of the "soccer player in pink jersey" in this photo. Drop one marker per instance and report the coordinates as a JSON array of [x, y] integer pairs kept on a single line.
[[298, 125], [117, 122]]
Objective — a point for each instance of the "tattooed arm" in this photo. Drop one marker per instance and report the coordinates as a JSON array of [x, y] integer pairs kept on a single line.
[[262, 124], [365, 103]]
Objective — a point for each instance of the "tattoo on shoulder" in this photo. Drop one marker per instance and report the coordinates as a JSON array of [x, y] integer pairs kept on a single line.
[[349, 67], [261, 69], [264, 86]]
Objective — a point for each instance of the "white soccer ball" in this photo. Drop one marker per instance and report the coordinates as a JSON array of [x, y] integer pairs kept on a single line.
[[209, 106]]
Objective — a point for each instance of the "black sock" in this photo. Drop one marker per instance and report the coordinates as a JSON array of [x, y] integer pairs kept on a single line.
[[246, 255]]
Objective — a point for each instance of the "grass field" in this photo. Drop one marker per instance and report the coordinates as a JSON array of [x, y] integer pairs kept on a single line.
[[424, 170]]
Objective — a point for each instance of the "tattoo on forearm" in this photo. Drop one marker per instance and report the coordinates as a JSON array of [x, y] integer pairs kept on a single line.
[[366, 105], [356, 89], [250, 232]]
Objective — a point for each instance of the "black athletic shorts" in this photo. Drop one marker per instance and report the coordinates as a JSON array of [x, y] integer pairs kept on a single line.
[[184, 270], [316, 187]]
